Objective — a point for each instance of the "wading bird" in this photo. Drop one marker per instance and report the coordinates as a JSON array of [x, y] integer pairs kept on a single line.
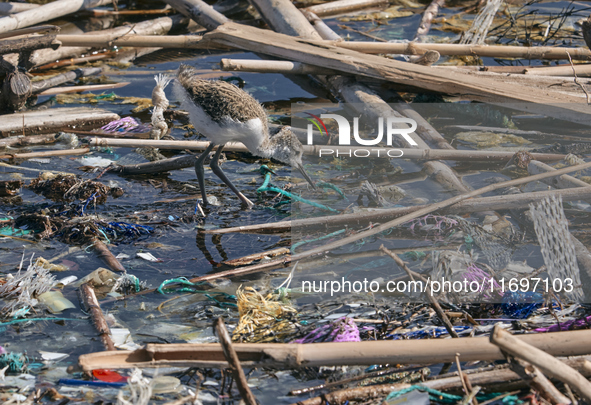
[[224, 113]]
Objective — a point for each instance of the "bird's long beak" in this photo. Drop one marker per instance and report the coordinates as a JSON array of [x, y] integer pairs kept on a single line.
[[300, 167]]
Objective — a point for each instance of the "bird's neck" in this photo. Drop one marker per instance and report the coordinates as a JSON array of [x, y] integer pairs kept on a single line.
[[265, 149]]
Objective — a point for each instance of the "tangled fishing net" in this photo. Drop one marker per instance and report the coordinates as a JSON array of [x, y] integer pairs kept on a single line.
[[262, 319], [20, 290], [555, 240], [342, 330]]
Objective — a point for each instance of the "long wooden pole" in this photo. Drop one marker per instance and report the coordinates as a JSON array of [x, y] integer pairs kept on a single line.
[[47, 12], [193, 42], [571, 343]]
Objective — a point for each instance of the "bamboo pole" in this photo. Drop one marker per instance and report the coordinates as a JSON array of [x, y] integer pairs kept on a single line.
[[234, 362], [319, 150], [47, 12], [273, 66], [503, 202], [429, 351], [564, 181], [96, 39], [343, 6], [543, 360], [79, 89], [49, 153], [493, 51]]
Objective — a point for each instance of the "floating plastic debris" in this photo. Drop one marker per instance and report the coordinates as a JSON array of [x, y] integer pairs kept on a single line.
[[261, 317], [22, 289], [126, 125], [140, 390], [342, 330]]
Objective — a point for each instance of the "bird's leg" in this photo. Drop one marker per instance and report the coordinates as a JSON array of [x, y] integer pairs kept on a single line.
[[201, 173], [215, 167]]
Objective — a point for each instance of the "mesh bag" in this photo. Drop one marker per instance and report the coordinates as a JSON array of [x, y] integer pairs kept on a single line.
[[555, 241]]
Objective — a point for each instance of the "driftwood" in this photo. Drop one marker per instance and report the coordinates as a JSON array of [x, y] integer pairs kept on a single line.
[[47, 153], [29, 44], [54, 120], [537, 381], [17, 141], [47, 12], [13, 8], [320, 26], [79, 89], [564, 181], [234, 362], [62, 78], [571, 343], [92, 307], [427, 18], [344, 6], [273, 66], [503, 202], [543, 360], [106, 256], [200, 12]]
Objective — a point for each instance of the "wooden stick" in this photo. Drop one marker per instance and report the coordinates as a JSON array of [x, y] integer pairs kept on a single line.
[[234, 362], [54, 120], [199, 11], [320, 26], [537, 381], [564, 181], [273, 66], [13, 8], [49, 153], [429, 351], [320, 150], [428, 292], [80, 89], [47, 12], [343, 6], [96, 39], [29, 44], [544, 361], [43, 85], [91, 305], [106, 256], [428, 15], [15, 141]]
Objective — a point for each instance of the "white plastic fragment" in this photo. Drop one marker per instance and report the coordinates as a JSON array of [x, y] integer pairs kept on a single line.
[[149, 257]]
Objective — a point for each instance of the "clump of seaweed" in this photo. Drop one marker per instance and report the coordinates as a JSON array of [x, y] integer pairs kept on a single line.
[[68, 188]]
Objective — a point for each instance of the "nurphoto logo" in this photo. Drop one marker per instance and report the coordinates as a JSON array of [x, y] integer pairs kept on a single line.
[[395, 126]]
